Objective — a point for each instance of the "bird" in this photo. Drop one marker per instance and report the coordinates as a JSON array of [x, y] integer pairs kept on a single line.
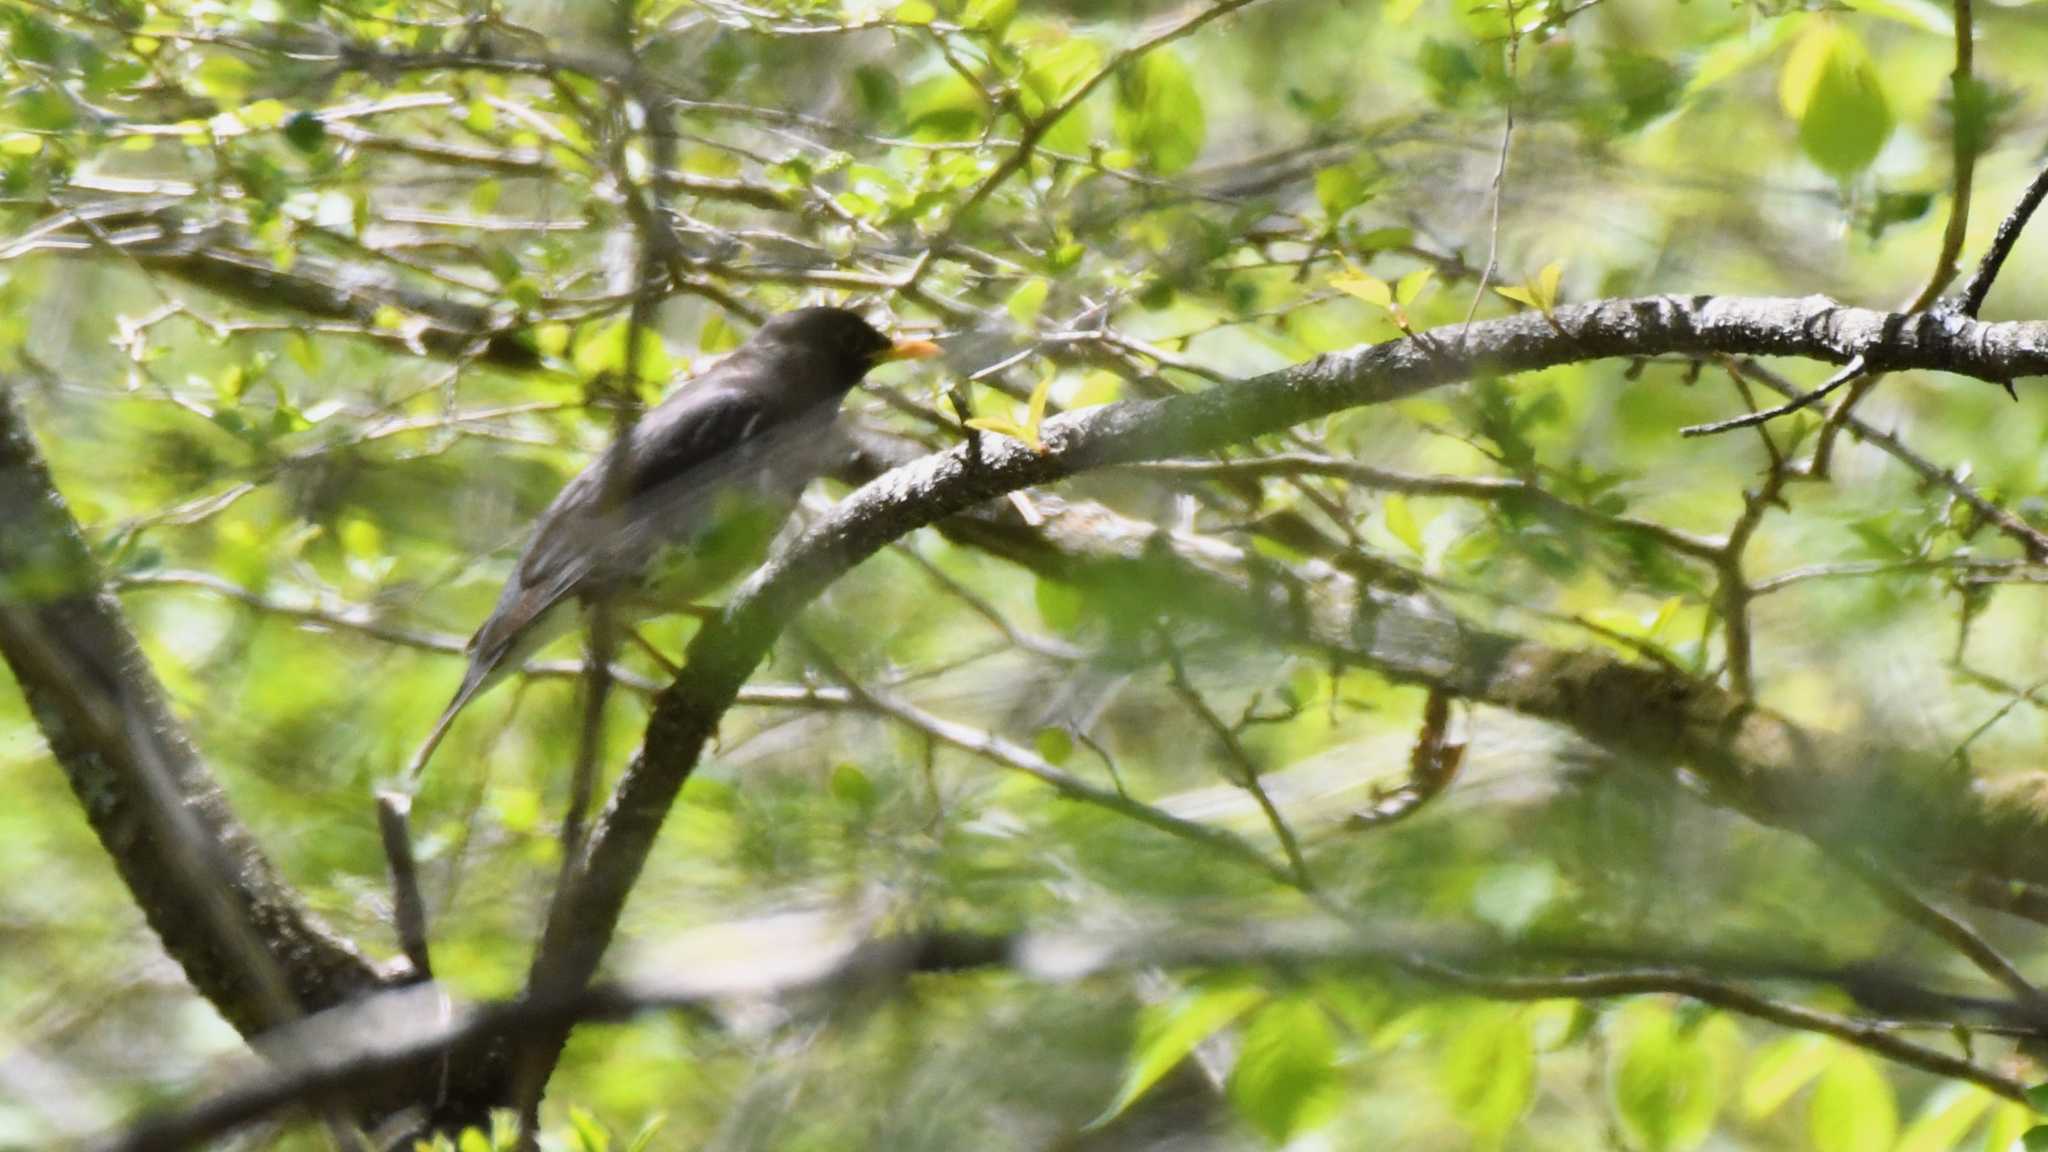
[[710, 475]]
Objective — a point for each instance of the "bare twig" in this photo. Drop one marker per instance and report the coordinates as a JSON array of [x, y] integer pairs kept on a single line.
[[1245, 771], [358, 1044], [1952, 929], [1847, 372], [1978, 286]]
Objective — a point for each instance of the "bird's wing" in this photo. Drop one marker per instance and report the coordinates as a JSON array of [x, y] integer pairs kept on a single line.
[[680, 452]]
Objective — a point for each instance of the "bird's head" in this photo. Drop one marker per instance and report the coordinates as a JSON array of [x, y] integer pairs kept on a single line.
[[837, 346]]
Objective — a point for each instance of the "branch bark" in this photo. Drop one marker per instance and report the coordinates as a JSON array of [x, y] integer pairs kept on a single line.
[[111, 730], [1767, 762]]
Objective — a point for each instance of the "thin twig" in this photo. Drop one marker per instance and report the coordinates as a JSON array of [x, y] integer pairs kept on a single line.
[[1958, 933], [1500, 176], [999, 751], [1848, 372], [1979, 284], [1246, 771]]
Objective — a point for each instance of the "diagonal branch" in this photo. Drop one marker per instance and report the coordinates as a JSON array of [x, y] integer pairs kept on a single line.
[[1728, 737], [243, 937]]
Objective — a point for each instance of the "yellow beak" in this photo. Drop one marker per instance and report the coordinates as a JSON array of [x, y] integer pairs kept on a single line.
[[907, 349]]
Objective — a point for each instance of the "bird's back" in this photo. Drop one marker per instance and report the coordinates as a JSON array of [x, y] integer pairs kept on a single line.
[[712, 473]]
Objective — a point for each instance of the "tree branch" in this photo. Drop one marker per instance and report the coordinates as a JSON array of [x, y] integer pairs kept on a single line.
[[158, 812], [1632, 707]]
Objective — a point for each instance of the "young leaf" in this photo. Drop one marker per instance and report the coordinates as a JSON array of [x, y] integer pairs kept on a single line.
[[1370, 289], [1411, 286], [644, 1139], [1667, 1079], [1159, 111], [1520, 295], [587, 1132], [1285, 1080], [1001, 426], [1168, 1032], [1783, 1069], [1949, 1112], [1401, 522], [1852, 1109], [1833, 89], [1034, 418], [1488, 1071], [1029, 298]]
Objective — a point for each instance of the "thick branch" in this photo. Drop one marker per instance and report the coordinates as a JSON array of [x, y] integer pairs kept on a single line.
[[1610, 699], [112, 731], [359, 1043]]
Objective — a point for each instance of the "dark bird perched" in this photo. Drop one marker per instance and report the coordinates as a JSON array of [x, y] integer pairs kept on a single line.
[[711, 473]]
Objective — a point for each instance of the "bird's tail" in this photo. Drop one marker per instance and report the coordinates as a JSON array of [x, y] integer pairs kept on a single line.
[[479, 676]]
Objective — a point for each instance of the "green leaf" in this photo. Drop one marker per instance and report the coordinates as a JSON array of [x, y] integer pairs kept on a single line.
[[1548, 282], [1370, 289], [1401, 523], [1852, 1108], [1053, 71], [989, 14], [1041, 394], [1003, 426], [644, 1139], [1488, 1070], [1168, 1032], [944, 107], [224, 77], [1927, 17], [602, 351], [915, 12], [1029, 298], [43, 109], [305, 131], [1646, 86], [2008, 1124], [1945, 1117], [717, 335], [2035, 1139], [518, 809], [1381, 239], [1450, 70], [1409, 288], [1054, 745], [1342, 188], [1666, 1081], [588, 1133], [552, 338], [1520, 295], [1783, 1068], [1285, 1079], [1159, 111], [1735, 54], [1059, 604], [852, 786], [1831, 87], [2037, 1098], [262, 114], [876, 92]]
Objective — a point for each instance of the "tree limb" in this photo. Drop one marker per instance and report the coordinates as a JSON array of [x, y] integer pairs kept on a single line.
[[1635, 708]]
